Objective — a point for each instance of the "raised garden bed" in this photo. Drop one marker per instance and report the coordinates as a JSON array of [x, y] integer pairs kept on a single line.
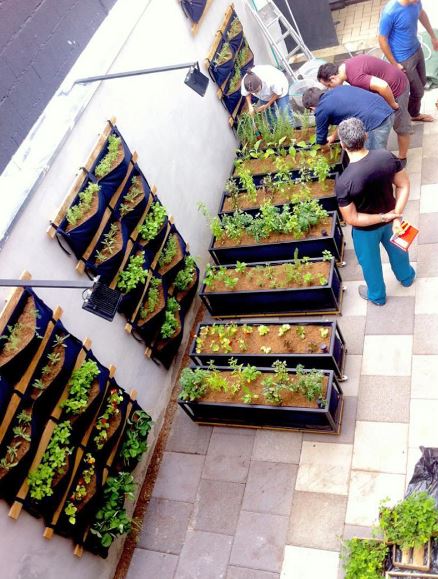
[[263, 397], [273, 288], [312, 344]]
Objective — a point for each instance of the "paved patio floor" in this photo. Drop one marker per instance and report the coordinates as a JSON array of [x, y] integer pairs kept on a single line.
[[257, 504]]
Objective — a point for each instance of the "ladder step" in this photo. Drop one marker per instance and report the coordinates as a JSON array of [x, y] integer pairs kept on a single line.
[[272, 22]]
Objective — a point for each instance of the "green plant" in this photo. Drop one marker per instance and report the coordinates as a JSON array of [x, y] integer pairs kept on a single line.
[[79, 387], [235, 80], [76, 212], [103, 423], [249, 397], [20, 432], [234, 29], [152, 298], [153, 222], [81, 489], [309, 383], [411, 522], [363, 558], [263, 330], [9, 461], [129, 200], [169, 251], [224, 54], [323, 332], [301, 332], [193, 384], [134, 274], [108, 243], [170, 323], [327, 255], [135, 441], [13, 338], [111, 519], [266, 349], [106, 164], [283, 329], [54, 459], [185, 276], [247, 182]]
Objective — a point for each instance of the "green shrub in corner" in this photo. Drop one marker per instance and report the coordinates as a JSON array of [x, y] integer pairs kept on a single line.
[[363, 558]]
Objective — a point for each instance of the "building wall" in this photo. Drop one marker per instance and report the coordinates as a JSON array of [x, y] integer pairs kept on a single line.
[[39, 42], [186, 149]]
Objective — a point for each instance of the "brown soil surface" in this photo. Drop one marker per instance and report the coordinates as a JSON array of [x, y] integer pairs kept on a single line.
[[290, 342], [260, 281], [61, 473], [244, 201], [117, 245], [178, 257], [22, 450], [159, 307], [132, 204], [239, 30], [54, 370], [298, 136], [117, 160], [91, 491], [288, 398], [315, 232], [115, 421], [93, 209], [263, 166], [25, 334]]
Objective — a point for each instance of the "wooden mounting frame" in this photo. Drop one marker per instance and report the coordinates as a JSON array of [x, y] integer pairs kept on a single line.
[[413, 558], [407, 574], [12, 301], [54, 224], [218, 35], [15, 510]]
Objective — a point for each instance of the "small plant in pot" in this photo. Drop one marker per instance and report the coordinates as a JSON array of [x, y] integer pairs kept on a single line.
[[19, 444], [132, 197], [154, 297], [20, 334], [153, 223], [82, 490], [55, 361], [85, 207], [110, 244], [112, 158], [224, 55], [80, 388], [134, 274], [185, 278], [135, 441], [171, 324], [109, 421]]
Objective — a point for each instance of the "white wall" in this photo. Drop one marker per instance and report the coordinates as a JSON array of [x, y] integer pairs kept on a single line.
[[186, 149]]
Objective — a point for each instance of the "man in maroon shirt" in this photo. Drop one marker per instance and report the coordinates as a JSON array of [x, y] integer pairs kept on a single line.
[[376, 75]]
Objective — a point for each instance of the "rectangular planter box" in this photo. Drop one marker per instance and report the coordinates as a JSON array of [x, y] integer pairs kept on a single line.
[[333, 359], [288, 301], [313, 247], [262, 416]]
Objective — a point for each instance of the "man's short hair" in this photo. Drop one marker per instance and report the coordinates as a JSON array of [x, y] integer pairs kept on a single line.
[[325, 71], [352, 133], [311, 97], [252, 82]]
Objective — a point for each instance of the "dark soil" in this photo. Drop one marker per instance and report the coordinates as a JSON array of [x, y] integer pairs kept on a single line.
[[315, 232], [106, 253], [244, 201], [254, 279], [21, 451], [115, 421], [290, 342], [54, 370], [158, 308], [178, 257], [27, 327], [91, 491], [93, 209]]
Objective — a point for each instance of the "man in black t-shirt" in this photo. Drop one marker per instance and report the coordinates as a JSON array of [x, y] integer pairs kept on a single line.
[[366, 200]]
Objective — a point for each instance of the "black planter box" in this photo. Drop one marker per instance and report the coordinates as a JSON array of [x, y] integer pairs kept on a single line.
[[284, 417], [279, 250], [333, 359], [288, 301]]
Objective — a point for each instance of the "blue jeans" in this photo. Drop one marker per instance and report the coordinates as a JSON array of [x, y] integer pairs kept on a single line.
[[378, 137], [282, 104], [367, 247]]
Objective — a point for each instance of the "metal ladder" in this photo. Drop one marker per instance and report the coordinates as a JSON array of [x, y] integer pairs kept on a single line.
[[269, 15]]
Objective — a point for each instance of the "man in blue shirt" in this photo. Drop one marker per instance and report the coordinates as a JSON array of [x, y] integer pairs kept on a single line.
[[399, 43], [343, 102]]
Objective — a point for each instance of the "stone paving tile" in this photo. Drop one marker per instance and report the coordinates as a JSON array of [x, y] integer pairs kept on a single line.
[[366, 491], [429, 171], [217, 506], [380, 447], [412, 212], [277, 446], [317, 520], [228, 456], [187, 436], [324, 468], [423, 429], [415, 155], [353, 304], [352, 369], [178, 477], [427, 260], [165, 525], [387, 355], [352, 271], [352, 531], [303, 563], [384, 399], [347, 426], [426, 293], [425, 334], [428, 229], [259, 541], [204, 555], [244, 573], [415, 178], [396, 317], [353, 330], [429, 199], [393, 287], [424, 373], [152, 564], [270, 487]]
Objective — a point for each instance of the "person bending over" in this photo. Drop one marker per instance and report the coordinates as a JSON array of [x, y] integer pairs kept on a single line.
[[269, 86], [334, 106], [367, 203], [376, 75]]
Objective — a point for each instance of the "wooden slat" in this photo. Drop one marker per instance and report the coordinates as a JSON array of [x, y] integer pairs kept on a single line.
[[218, 36], [196, 25], [22, 385], [54, 224], [11, 302], [15, 510], [49, 531], [413, 558]]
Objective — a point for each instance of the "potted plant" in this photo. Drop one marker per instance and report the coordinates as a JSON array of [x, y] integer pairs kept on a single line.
[[275, 397], [364, 558], [133, 200], [186, 281], [131, 280], [172, 253], [111, 164], [148, 317], [232, 95], [108, 423], [109, 251], [134, 439], [234, 33], [313, 344], [19, 443], [294, 287], [83, 490], [153, 229], [83, 389], [52, 366], [222, 63], [274, 233], [170, 334]]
